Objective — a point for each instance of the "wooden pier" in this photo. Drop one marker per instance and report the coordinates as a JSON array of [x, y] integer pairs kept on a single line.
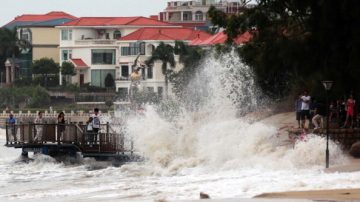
[[48, 139]]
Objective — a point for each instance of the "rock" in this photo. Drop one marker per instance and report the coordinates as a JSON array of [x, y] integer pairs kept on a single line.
[[355, 149], [204, 195]]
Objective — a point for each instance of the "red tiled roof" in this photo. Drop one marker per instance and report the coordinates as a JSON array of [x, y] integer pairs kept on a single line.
[[165, 34], [41, 17], [154, 17], [48, 16], [79, 63], [195, 42], [114, 21], [243, 38], [220, 38]]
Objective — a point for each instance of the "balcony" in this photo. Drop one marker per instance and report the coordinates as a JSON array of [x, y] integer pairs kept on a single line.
[[95, 42], [128, 51]]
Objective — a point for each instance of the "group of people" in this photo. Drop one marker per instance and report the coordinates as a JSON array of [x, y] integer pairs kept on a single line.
[[91, 130], [341, 112]]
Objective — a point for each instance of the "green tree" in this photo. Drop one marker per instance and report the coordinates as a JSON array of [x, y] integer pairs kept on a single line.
[[11, 46], [298, 43], [165, 54], [190, 57], [68, 70], [109, 81], [45, 67]]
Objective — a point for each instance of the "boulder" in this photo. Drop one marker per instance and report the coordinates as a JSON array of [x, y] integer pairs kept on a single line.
[[204, 195], [355, 149]]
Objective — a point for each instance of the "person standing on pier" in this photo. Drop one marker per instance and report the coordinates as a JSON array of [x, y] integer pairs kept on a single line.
[[135, 83], [96, 123], [39, 121], [11, 124], [298, 103], [305, 108], [350, 112], [61, 125]]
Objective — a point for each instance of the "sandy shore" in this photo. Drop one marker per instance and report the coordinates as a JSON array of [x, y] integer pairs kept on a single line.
[[336, 194], [286, 120]]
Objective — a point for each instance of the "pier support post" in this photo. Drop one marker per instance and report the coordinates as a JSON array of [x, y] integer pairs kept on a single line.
[[24, 154]]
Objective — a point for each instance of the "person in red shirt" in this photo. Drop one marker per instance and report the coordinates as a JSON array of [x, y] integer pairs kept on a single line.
[[350, 111]]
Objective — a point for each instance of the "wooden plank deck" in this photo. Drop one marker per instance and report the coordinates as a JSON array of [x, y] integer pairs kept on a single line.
[[107, 142]]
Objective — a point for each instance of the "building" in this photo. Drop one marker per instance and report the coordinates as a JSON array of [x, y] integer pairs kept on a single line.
[[40, 31], [90, 43], [221, 38], [194, 13], [149, 39], [99, 46]]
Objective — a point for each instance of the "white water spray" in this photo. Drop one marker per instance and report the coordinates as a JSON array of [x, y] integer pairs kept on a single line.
[[213, 137], [209, 149]]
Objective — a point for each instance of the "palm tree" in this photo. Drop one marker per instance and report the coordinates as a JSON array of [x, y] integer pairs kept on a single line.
[[11, 45], [164, 53]]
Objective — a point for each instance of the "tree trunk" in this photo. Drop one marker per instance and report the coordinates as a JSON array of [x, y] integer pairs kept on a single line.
[[12, 71], [45, 83], [166, 85]]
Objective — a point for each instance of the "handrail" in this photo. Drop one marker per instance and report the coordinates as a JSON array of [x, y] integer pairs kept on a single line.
[[38, 134]]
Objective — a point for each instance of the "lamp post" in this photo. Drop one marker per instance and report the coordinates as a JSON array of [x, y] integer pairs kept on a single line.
[[327, 86]]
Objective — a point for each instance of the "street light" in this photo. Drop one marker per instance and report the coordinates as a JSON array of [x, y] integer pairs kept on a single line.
[[327, 85]]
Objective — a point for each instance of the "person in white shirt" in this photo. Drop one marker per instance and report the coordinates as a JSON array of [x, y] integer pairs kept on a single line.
[[39, 121], [305, 108], [96, 123]]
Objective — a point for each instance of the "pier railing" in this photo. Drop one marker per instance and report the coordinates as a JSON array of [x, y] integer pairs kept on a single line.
[[31, 134]]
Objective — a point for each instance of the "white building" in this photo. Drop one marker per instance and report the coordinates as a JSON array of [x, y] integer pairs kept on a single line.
[[109, 45], [193, 13]]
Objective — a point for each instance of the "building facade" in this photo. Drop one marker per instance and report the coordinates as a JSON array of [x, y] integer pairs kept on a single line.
[[194, 13], [40, 32], [99, 47]]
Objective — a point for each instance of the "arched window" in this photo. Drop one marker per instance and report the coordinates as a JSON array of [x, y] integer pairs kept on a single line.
[[149, 49], [117, 34], [199, 16]]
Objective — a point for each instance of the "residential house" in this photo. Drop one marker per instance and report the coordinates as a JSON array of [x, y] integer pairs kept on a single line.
[[101, 46], [148, 39], [193, 13], [90, 43], [40, 31]]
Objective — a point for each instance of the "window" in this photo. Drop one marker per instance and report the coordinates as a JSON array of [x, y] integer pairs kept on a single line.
[[150, 89], [25, 34], [117, 34], [160, 92], [143, 73], [66, 34], [123, 93], [66, 55], [107, 36], [98, 76], [150, 72], [124, 71], [187, 16], [199, 16], [103, 56], [133, 49]]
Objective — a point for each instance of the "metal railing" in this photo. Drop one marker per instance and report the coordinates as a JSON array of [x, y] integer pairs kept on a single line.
[[107, 140]]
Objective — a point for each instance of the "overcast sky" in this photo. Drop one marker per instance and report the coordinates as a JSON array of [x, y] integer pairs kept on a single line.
[[9, 9]]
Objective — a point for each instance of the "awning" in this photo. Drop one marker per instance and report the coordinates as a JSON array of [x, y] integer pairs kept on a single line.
[[79, 63]]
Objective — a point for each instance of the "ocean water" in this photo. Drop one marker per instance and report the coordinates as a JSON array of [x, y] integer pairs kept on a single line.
[[205, 145]]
